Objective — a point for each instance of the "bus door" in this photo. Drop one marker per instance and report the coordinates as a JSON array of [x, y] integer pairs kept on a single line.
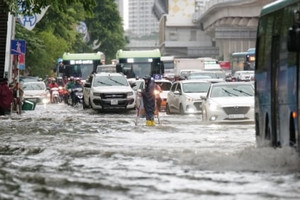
[[275, 115]]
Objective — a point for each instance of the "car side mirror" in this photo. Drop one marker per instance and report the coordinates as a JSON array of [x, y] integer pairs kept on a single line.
[[203, 97]]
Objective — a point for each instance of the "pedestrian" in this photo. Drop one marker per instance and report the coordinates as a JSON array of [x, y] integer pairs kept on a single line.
[[149, 100], [6, 97]]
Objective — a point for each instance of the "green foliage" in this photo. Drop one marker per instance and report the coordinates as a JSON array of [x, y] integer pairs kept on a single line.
[[35, 6], [106, 28], [56, 32]]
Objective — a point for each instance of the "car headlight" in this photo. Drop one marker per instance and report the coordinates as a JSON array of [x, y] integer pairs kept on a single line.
[[130, 94], [44, 101]]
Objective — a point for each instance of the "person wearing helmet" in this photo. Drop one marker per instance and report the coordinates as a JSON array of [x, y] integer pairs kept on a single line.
[[149, 100], [77, 83], [51, 85], [60, 81], [70, 83], [68, 87]]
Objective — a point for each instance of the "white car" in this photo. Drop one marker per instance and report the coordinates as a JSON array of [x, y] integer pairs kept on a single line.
[[214, 75], [108, 91], [185, 96], [165, 86], [36, 92], [229, 102], [246, 75]]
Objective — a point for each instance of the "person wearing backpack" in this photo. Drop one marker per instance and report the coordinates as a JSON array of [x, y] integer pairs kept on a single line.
[[6, 97]]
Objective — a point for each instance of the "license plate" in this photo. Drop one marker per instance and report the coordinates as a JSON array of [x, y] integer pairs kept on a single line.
[[237, 116], [78, 93], [114, 102]]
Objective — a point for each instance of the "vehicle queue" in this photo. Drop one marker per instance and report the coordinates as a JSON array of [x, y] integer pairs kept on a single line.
[[112, 91]]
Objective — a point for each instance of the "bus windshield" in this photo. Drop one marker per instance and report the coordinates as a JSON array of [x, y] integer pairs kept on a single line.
[[132, 70], [82, 71], [135, 64], [81, 64]]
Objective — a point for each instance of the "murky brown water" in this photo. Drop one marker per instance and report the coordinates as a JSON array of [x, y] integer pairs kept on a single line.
[[58, 152]]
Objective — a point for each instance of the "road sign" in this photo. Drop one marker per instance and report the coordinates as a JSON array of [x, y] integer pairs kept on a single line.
[[157, 76], [18, 47]]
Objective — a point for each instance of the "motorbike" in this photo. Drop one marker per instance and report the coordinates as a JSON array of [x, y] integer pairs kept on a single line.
[[62, 93], [55, 95], [75, 96]]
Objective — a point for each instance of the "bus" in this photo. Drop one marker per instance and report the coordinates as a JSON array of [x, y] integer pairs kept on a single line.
[[243, 60], [277, 81], [81, 64], [237, 61], [135, 64]]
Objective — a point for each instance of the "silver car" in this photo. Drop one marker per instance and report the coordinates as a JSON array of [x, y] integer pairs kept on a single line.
[[184, 96], [229, 102], [35, 91]]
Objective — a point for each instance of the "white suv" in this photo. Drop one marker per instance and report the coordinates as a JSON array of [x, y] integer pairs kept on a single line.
[[106, 91]]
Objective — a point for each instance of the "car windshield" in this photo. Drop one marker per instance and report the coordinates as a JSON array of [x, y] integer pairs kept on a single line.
[[232, 91], [110, 81], [34, 86], [29, 79], [196, 87], [196, 76], [165, 86]]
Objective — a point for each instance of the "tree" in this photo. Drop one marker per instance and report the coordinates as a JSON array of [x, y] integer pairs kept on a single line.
[[56, 33], [35, 6], [106, 28], [52, 36], [35, 46]]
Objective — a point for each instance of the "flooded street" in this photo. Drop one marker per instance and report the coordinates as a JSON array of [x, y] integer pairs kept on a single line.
[[60, 152]]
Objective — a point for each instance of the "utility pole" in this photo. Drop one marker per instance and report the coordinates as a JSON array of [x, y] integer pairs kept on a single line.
[[3, 34], [11, 23]]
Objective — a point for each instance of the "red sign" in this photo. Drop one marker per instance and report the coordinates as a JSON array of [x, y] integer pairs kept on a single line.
[[225, 65]]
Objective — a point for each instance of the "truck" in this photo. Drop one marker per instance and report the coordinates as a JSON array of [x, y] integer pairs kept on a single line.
[[183, 66]]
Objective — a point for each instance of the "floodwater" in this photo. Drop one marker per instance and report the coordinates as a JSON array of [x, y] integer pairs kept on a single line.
[[59, 152]]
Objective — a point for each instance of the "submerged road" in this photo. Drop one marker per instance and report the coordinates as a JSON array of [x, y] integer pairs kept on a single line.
[[61, 152]]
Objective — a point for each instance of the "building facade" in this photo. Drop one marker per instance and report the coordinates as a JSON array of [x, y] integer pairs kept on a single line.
[[178, 35], [141, 21]]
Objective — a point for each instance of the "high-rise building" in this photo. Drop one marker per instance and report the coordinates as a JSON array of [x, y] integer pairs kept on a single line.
[[178, 35], [141, 20], [122, 5]]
